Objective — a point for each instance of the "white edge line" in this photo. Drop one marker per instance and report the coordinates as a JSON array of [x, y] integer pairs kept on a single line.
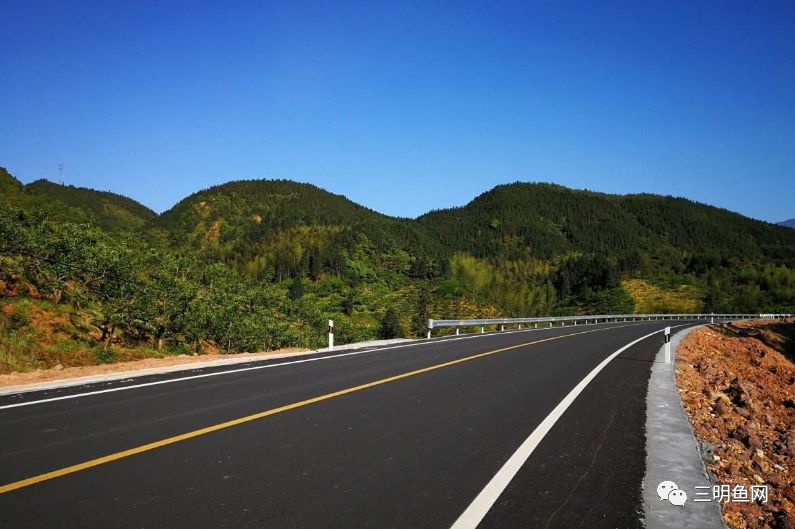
[[193, 377], [266, 366], [484, 501]]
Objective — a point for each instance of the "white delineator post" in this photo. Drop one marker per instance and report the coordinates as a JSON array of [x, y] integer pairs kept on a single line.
[[667, 345], [430, 328], [331, 335]]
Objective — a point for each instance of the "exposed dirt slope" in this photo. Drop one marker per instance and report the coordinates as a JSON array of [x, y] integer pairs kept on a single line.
[[737, 383]]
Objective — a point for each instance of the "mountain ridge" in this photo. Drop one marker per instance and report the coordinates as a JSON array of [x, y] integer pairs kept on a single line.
[[265, 263], [4, 175], [108, 210], [282, 228]]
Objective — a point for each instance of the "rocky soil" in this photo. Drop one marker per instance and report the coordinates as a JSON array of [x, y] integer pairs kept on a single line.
[[737, 383]]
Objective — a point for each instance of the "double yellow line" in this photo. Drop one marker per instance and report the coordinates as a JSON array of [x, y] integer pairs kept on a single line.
[[267, 413]]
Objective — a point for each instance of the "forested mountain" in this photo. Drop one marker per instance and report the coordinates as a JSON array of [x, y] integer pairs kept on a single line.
[[537, 221], [75, 204], [106, 210], [278, 229], [588, 245], [89, 276], [788, 223], [526, 221]]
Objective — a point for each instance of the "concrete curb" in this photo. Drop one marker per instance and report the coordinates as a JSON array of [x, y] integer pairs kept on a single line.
[[672, 453], [231, 361]]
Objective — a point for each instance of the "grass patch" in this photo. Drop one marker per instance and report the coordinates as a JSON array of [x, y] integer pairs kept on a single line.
[[651, 299], [104, 355]]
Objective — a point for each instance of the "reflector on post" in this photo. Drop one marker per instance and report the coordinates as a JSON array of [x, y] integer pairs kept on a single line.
[[667, 345]]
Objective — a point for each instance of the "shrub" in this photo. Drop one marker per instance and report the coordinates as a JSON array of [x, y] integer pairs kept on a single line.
[[390, 325], [104, 355]]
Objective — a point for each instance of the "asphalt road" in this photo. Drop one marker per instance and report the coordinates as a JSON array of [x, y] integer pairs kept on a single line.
[[402, 436]]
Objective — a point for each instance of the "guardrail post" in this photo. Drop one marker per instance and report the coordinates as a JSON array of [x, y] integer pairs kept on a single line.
[[667, 345], [502, 327]]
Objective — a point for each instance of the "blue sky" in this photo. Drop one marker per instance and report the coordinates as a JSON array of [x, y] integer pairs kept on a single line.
[[405, 107]]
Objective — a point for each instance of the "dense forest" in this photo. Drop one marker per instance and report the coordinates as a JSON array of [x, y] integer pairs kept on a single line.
[[89, 276]]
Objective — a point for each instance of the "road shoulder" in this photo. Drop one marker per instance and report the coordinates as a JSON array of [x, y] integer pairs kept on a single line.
[[672, 453], [73, 376]]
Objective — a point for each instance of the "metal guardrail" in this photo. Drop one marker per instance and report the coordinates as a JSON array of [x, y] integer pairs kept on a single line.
[[602, 318]]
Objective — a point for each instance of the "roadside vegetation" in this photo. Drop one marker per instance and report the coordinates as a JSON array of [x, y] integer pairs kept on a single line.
[[92, 277]]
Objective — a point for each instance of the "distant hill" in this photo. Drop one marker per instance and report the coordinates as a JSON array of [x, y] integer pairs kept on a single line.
[[107, 210], [75, 204], [282, 228], [517, 249], [788, 223], [12, 192], [265, 263], [526, 220]]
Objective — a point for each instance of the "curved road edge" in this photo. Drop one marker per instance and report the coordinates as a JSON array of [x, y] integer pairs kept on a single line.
[[672, 453]]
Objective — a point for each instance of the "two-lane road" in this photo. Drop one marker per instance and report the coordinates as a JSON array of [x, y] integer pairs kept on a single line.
[[404, 436]]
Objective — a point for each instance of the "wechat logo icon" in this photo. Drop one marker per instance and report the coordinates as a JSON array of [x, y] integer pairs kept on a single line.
[[668, 490]]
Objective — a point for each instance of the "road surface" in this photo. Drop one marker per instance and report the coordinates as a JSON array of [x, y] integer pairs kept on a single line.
[[429, 434]]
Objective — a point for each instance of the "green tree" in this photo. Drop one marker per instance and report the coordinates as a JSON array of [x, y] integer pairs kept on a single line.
[[390, 325], [349, 303], [419, 320], [296, 289]]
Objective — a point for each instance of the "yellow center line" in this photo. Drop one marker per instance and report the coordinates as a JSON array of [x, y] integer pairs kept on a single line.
[[242, 420]]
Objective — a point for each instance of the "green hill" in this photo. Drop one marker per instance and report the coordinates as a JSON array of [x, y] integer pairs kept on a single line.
[[12, 192], [592, 240], [89, 276], [525, 248], [106, 210], [278, 229], [526, 221]]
